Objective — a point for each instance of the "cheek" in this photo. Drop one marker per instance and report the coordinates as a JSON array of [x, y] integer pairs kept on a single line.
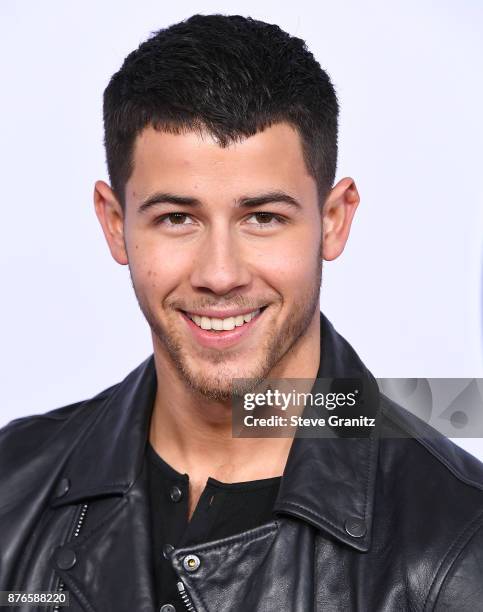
[[155, 268], [290, 265]]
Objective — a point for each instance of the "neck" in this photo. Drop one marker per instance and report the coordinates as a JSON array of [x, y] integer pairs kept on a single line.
[[194, 434]]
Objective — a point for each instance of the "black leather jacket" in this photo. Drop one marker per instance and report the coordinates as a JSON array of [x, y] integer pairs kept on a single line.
[[367, 524]]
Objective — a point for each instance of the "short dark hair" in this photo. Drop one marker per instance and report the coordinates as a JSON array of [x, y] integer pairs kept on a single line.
[[227, 74]]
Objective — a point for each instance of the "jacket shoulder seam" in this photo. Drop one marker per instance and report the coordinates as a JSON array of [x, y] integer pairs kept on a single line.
[[425, 442], [59, 418], [461, 542], [452, 468]]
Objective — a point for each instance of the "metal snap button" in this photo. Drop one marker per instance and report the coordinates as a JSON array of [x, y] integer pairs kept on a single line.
[[65, 558], [355, 527], [175, 493], [167, 608], [191, 563], [62, 487], [167, 550]]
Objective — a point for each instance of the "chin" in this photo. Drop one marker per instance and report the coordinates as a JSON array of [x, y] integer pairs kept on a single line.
[[224, 383]]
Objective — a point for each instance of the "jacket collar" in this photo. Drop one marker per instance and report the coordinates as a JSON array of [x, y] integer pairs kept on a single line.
[[328, 482]]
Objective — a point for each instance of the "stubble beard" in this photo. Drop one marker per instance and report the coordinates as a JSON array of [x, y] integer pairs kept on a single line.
[[227, 384]]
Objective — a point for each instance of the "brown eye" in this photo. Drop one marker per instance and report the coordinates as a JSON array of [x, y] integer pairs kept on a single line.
[[265, 218], [175, 218]]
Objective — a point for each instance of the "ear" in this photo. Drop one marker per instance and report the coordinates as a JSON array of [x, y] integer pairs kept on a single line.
[[111, 217], [339, 208]]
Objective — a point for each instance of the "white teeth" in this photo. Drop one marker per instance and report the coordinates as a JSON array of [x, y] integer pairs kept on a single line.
[[217, 324], [228, 323], [223, 324]]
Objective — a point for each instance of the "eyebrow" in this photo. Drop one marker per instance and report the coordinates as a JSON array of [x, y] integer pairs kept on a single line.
[[162, 197]]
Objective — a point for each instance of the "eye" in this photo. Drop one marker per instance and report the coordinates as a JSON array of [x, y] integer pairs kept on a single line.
[[175, 218], [266, 219]]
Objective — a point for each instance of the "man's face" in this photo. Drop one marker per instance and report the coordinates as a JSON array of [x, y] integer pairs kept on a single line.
[[206, 253]]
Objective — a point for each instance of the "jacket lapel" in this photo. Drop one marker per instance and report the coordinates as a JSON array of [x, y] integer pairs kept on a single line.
[[330, 481], [112, 565]]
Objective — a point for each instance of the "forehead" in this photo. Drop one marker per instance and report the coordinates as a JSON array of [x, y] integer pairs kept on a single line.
[[271, 158]]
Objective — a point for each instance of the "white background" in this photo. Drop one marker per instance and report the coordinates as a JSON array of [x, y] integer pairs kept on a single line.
[[407, 291]]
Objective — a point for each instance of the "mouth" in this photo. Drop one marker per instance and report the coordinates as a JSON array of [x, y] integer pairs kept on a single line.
[[218, 324], [222, 332]]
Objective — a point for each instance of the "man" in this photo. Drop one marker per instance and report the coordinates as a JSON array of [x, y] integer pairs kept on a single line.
[[221, 143]]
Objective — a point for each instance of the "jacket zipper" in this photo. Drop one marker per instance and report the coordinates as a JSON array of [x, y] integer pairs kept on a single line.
[[185, 597], [77, 527]]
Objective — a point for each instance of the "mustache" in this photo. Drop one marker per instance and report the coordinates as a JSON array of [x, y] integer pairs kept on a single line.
[[237, 302]]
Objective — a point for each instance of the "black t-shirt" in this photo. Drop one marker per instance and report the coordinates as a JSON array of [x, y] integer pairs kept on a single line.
[[223, 509]]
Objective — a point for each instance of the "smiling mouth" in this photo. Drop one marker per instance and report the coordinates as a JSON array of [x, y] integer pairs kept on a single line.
[[216, 324]]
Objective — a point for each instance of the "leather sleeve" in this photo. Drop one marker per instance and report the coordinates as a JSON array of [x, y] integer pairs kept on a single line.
[[462, 589]]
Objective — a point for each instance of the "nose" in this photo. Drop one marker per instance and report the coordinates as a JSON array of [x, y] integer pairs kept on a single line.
[[220, 266]]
